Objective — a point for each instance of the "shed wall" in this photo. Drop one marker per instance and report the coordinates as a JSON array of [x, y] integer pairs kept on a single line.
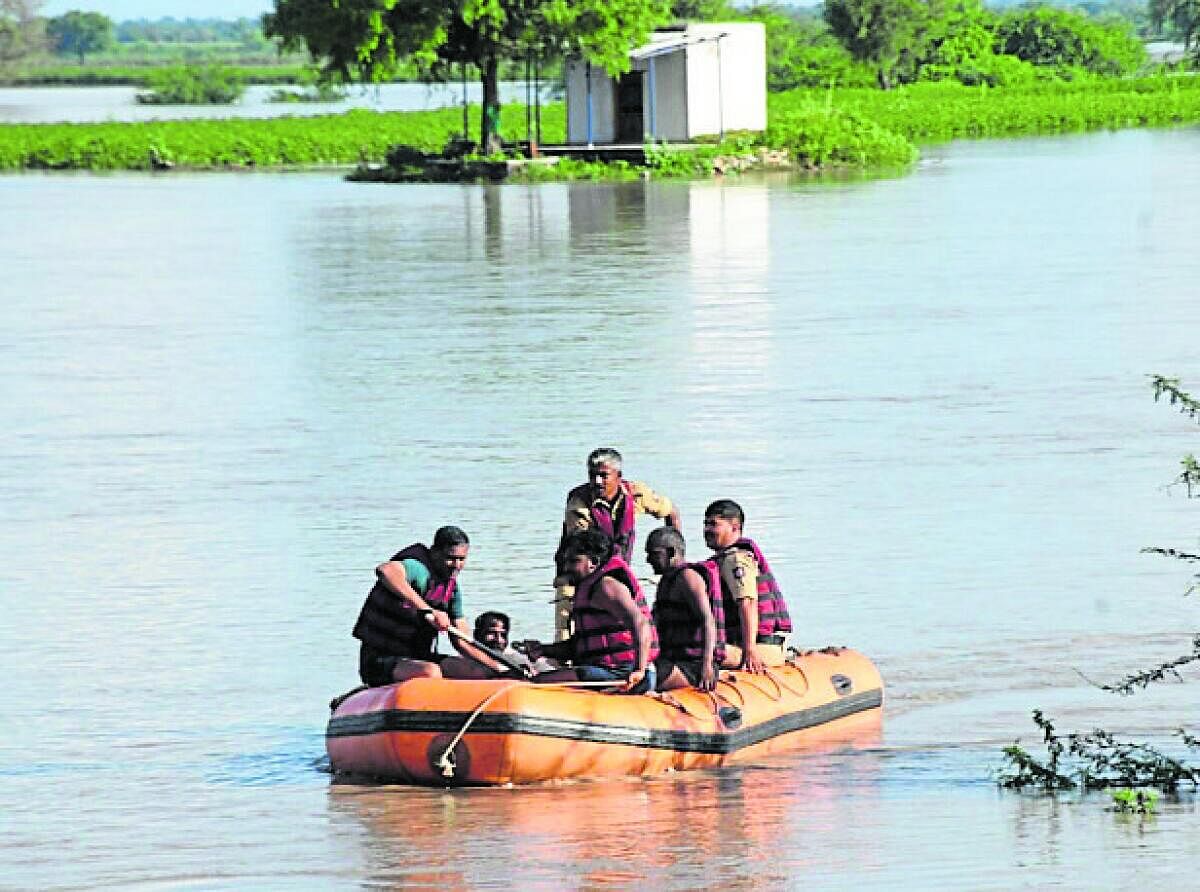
[[670, 86], [604, 119], [703, 89], [744, 77]]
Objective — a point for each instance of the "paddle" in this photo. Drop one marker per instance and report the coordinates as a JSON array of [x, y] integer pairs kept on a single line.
[[522, 671]]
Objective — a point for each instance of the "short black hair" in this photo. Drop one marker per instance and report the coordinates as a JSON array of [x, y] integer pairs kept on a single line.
[[593, 543], [487, 618], [667, 537], [448, 537], [728, 509]]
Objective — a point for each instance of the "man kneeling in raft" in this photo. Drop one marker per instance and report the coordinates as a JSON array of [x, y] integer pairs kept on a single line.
[[415, 597], [614, 637], [756, 617], [688, 614]]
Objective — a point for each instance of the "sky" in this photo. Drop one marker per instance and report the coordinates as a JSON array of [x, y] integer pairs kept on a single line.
[[120, 10]]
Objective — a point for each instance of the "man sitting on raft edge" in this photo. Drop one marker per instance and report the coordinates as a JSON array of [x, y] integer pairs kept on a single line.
[[688, 614], [756, 617], [415, 597], [614, 637]]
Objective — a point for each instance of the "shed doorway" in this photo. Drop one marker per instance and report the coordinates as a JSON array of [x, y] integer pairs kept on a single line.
[[631, 127]]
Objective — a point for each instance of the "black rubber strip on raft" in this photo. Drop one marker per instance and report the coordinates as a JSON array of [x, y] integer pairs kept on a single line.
[[401, 720]]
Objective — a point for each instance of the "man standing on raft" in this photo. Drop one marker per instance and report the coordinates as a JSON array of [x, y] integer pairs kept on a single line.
[[415, 597], [756, 617], [688, 614], [608, 503], [614, 636]]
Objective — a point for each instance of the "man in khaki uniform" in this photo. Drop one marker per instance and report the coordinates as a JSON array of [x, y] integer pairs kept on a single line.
[[610, 503], [756, 617]]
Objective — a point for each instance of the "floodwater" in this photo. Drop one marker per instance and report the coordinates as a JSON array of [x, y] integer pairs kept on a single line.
[[43, 105], [227, 397]]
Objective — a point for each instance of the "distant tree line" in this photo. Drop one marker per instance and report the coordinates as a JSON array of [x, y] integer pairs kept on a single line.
[[25, 32], [171, 30], [890, 42]]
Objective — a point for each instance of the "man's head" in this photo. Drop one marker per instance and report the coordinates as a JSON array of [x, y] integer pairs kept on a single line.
[[604, 472], [665, 549], [583, 553], [492, 628], [723, 521], [449, 551]]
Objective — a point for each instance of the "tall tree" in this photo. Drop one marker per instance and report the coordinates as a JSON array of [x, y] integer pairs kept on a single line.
[[1182, 15], [21, 28], [79, 33], [369, 39], [879, 32]]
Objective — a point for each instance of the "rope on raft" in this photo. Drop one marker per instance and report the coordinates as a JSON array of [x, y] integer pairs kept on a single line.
[[446, 761]]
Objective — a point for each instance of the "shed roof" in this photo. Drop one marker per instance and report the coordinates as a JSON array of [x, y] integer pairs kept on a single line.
[[662, 42]]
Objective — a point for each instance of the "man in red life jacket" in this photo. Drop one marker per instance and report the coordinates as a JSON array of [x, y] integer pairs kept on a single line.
[[608, 503], [614, 637], [415, 597], [756, 617], [688, 614]]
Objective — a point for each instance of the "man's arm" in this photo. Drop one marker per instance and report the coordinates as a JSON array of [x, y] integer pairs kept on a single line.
[[649, 502], [473, 653], [577, 515], [395, 579], [559, 650], [698, 595], [740, 573], [615, 597], [748, 610]]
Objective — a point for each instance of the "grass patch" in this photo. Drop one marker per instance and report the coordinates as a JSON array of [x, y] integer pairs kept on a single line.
[[345, 139]]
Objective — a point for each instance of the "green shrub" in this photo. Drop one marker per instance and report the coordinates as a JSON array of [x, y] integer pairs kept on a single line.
[[210, 85], [816, 135], [1044, 35]]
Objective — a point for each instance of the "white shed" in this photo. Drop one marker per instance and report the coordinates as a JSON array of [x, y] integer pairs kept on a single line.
[[688, 81]]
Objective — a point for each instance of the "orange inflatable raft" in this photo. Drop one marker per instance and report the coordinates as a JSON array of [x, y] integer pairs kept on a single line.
[[442, 732]]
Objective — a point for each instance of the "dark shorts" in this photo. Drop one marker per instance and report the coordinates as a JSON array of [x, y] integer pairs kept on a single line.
[[376, 668], [689, 668], [603, 673]]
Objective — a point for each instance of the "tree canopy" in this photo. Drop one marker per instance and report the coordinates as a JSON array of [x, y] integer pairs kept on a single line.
[[1182, 15], [369, 39], [78, 33], [878, 31], [20, 28], [1048, 36], [907, 40]]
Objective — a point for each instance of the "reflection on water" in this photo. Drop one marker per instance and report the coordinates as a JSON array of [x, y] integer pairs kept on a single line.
[[227, 398], [683, 831]]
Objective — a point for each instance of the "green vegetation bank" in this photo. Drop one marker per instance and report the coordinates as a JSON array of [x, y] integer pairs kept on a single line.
[[819, 128], [860, 85]]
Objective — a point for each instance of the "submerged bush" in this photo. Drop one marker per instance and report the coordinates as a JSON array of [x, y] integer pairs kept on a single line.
[[316, 93], [209, 85]]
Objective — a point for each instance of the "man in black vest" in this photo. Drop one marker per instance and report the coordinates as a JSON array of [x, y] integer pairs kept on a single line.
[[415, 597]]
